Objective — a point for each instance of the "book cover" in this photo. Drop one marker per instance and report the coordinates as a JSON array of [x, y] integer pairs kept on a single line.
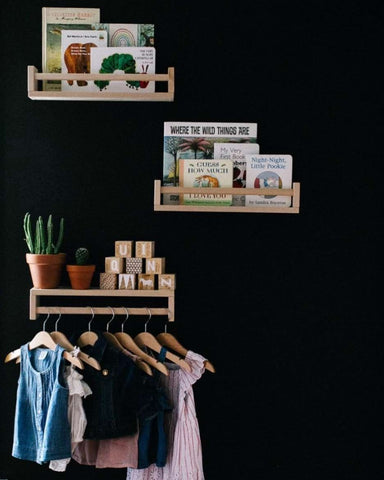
[[195, 140], [205, 173], [76, 48], [269, 171], [54, 20], [124, 60], [236, 152], [129, 34]]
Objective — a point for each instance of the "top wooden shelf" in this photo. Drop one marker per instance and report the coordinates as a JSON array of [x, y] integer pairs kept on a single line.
[[35, 94]]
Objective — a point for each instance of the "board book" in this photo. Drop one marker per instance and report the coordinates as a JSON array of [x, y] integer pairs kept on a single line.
[[129, 34]]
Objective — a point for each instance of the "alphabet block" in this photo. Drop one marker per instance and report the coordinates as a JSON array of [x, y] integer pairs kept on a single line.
[[123, 248], [155, 265], [134, 265], [108, 281], [145, 249], [127, 281], [167, 281], [146, 281], [114, 264]]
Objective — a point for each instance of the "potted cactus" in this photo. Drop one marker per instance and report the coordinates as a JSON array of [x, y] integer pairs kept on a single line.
[[44, 258], [80, 274]]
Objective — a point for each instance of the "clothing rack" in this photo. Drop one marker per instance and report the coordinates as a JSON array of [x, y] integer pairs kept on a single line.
[[36, 293]]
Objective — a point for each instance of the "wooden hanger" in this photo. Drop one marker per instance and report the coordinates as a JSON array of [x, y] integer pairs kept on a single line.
[[127, 342], [44, 339], [62, 340], [170, 341], [88, 337], [114, 341], [146, 339]]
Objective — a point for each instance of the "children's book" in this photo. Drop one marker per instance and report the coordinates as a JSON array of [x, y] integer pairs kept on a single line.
[[129, 34], [269, 171]]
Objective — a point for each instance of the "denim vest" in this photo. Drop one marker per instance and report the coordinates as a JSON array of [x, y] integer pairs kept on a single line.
[[41, 429]]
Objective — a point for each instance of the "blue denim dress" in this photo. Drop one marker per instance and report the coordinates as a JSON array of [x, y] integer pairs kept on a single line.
[[41, 429]]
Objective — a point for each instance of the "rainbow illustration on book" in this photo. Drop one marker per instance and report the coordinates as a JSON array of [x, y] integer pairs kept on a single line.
[[122, 37]]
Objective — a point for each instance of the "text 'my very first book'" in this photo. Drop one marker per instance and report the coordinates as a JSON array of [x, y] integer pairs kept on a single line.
[[269, 171], [195, 141], [54, 21], [205, 173], [236, 152]]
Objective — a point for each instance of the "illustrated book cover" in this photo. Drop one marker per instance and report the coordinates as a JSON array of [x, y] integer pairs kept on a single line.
[[205, 173], [76, 48], [236, 152], [124, 60], [195, 140], [269, 171], [54, 20], [129, 34]]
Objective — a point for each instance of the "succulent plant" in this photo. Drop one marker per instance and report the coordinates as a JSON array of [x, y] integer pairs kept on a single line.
[[82, 256], [41, 241]]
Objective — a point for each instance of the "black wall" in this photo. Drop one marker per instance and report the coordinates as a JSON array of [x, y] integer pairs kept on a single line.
[[285, 306]]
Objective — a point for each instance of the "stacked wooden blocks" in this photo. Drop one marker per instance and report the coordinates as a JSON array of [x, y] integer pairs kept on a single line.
[[134, 267]]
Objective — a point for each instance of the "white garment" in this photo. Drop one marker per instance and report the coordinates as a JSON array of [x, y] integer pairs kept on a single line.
[[78, 389], [184, 459]]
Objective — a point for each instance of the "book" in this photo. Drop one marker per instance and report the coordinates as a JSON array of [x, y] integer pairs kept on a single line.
[[76, 48], [195, 140], [269, 171], [124, 60], [236, 152], [54, 21], [205, 173], [129, 34]]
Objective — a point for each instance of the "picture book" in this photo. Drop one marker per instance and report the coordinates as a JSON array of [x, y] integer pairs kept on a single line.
[[269, 171], [76, 48], [54, 21], [236, 152], [124, 60], [195, 140], [205, 173], [129, 34]]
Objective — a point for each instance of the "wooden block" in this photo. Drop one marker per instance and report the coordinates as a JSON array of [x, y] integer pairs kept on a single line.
[[146, 281], [124, 248], [155, 265], [145, 249], [134, 265], [127, 281], [114, 265], [108, 281], [167, 281]]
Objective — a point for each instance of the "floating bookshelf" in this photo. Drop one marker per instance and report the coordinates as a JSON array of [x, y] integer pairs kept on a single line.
[[34, 93]]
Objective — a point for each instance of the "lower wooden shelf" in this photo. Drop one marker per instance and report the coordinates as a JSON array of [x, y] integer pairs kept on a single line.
[[293, 192], [36, 293], [35, 94]]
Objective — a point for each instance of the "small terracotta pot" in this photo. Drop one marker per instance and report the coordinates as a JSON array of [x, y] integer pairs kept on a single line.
[[80, 276], [46, 269]]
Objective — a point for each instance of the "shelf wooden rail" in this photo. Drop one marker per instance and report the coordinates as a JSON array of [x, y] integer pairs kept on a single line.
[[293, 192], [35, 94], [36, 293]]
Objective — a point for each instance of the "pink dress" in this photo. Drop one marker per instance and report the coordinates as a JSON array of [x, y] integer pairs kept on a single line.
[[184, 459]]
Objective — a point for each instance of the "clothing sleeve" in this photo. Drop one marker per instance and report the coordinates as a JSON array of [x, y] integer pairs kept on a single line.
[[196, 362]]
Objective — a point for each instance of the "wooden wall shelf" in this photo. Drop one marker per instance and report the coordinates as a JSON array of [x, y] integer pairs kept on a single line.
[[36, 293], [293, 192], [35, 94]]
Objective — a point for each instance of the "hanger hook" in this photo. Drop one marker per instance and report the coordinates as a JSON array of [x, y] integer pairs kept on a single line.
[[150, 315], [113, 316], [126, 318], [57, 321], [166, 323], [45, 321], [93, 316]]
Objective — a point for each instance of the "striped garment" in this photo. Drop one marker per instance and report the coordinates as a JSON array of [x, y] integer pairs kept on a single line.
[[184, 460]]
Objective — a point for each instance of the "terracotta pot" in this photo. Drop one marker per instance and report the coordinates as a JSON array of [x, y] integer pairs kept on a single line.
[[80, 276], [46, 269]]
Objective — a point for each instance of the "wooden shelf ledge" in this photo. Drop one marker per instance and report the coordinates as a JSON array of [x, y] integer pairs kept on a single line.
[[35, 94], [293, 192]]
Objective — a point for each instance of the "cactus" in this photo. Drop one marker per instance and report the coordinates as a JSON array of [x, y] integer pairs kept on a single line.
[[82, 256], [41, 241]]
